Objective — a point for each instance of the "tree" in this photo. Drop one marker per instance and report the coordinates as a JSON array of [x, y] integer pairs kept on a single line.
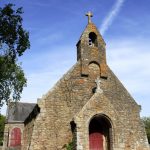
[[146, 121], [14, 40], [2, 125]]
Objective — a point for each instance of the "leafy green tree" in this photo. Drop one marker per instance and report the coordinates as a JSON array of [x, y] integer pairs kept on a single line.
[[2, 125], [14, 40], [146, 121]]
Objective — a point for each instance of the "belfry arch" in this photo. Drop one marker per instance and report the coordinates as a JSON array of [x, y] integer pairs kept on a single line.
[[93, 39], [100, 133]]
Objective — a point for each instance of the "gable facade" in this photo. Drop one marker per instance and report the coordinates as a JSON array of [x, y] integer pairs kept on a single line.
[[88, 108]]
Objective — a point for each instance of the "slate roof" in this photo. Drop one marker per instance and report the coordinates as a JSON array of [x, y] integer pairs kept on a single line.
[[18, 112]]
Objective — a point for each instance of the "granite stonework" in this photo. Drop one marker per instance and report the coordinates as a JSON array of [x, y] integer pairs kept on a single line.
[[66, 113], [74, 99]]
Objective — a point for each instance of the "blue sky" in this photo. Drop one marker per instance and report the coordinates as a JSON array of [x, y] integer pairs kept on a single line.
[[55, 27]]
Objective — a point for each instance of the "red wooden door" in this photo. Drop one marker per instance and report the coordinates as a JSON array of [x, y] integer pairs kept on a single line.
[[96, 141], [15, 139]]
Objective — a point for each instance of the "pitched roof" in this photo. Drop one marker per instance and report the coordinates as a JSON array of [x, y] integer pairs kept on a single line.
[[18, 112]]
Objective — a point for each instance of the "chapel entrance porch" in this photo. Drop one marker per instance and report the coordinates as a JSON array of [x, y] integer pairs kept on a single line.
[[100, 133]]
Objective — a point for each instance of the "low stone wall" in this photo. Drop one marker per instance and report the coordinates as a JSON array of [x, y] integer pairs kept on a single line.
[[29, 124]]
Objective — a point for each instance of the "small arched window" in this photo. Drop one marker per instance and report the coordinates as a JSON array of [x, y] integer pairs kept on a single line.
[[93, 39]]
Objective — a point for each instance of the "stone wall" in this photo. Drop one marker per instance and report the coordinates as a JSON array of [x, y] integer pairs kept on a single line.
[[73, 99], [29, 125]]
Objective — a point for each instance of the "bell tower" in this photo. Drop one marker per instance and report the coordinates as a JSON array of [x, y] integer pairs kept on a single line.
[[91, 49]]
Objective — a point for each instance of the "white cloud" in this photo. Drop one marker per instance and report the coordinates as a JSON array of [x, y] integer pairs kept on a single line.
[[44, 71], [129, 60], [110, 17]]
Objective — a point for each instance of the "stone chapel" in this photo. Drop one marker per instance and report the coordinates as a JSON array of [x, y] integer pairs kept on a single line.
[[87, 109]]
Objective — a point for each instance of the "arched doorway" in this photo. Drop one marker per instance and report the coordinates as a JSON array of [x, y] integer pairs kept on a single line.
[[100, 133], [15, 137]]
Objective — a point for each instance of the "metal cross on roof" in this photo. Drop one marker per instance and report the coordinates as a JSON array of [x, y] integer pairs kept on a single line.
[[89, 14]]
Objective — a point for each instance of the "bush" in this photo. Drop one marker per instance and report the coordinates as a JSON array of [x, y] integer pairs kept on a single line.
[[146, 121]]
